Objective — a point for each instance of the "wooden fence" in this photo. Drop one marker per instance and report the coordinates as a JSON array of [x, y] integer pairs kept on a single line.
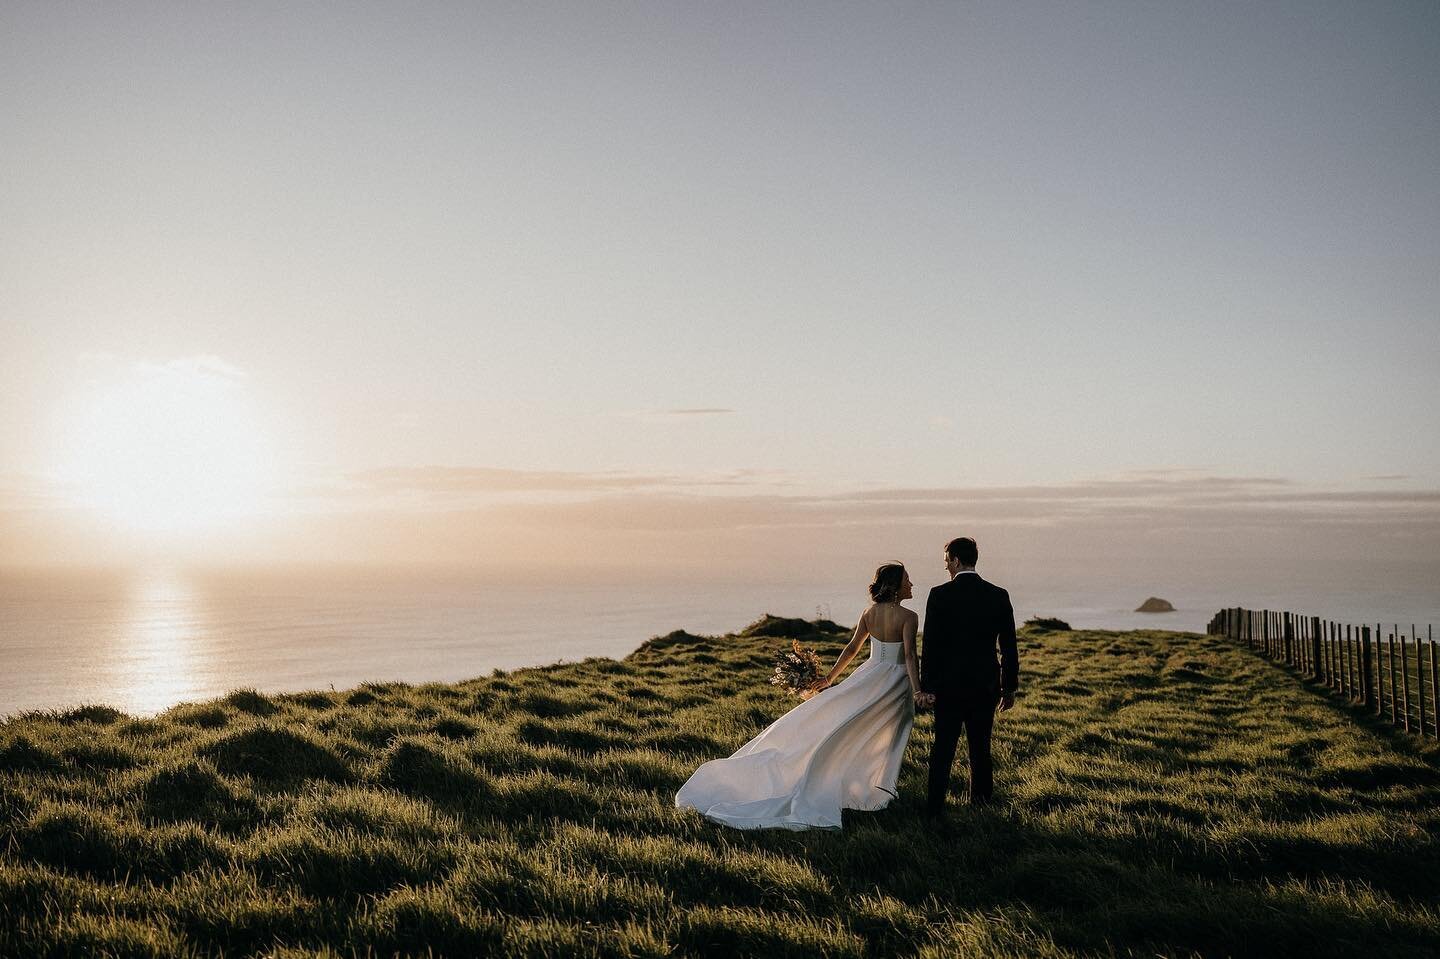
[[1385, 671]]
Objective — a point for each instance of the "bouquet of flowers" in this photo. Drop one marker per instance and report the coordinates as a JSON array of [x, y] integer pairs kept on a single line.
[[797, 669]]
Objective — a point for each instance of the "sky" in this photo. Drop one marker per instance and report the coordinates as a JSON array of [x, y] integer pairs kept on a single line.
[[709, 287]]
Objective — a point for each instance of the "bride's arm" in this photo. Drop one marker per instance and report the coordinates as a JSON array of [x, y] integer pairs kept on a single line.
[[912, 667], [846, 654]]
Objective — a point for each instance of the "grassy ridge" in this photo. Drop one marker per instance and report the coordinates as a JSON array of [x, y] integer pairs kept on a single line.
[[1164, 793]]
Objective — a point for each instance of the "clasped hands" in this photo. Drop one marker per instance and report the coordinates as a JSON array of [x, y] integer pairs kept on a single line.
[[924, 700]]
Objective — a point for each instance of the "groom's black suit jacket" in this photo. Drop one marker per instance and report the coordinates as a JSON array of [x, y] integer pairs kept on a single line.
[[964, 619]]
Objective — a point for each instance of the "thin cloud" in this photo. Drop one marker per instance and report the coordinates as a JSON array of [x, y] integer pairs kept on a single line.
[[198, 366], [660, 513], [656, 504], [1197, 502], [1167, 471], [201, 364], [1367, 497], [1121, 489], [480, 481], [692, 411]]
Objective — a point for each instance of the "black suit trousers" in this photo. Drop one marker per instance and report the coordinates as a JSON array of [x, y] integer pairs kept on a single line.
[[974, 712]]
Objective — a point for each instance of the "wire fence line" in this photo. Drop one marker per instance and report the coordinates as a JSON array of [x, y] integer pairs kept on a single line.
[[1394, 675]]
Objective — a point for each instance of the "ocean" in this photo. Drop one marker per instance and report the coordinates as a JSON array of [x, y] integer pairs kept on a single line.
[[142, 641]]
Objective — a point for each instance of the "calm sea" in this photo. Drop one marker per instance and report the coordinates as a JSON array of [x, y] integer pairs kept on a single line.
[[144, 641]]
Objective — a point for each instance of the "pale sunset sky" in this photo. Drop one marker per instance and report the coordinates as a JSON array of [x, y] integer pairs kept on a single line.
[[727, 288]]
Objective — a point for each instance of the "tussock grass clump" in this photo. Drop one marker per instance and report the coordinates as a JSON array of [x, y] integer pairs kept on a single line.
[[454, 727], [103, 845], [1162, 794], [21, 753], [340, 863], [315, 702], [577, 736], [194, 790], [381, 811], [249, 701], [278, 755], [201, 717], [433, 768], [86, 754], [99, 715], [787, 628]]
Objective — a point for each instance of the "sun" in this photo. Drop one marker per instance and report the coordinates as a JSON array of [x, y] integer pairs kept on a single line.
[[166, 448]]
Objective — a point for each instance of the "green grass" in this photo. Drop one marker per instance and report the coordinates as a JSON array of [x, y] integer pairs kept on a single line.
[[1162, 794]]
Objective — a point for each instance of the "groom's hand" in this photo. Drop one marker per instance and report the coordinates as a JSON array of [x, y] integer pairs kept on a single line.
[[1007, 701]]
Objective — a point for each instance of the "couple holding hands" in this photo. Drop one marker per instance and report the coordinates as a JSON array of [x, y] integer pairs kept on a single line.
[[842, 748]]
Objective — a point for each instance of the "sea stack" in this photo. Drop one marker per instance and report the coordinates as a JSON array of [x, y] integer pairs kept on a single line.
[[1155, 605]]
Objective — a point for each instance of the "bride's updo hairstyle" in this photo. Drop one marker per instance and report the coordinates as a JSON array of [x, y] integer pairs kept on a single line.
[[886, 588]]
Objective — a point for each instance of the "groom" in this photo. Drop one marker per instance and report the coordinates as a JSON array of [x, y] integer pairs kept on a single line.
[[964, 619]]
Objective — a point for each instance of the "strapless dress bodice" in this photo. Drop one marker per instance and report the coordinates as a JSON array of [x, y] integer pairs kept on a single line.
[[886, 654]]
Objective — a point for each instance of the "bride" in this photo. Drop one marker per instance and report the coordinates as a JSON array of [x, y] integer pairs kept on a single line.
[[841, 748]]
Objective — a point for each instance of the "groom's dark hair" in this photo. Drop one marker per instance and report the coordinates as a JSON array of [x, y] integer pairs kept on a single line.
[[963, 549]]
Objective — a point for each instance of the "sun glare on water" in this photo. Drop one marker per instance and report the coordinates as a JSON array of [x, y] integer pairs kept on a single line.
[[174, 448]]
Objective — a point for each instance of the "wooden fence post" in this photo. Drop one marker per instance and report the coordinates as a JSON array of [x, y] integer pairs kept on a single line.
[[1390, 655], [1419, 683], [1404, 678], [1288, 633], [1434, 677], [1367, 670], [1380, 672], [1329, 639], [1318, 670], [1357, 653], [1332, 636], [1347, 661], [1339, 656]]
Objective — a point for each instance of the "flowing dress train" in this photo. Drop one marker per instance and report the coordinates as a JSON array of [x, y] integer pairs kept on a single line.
[[841, 748]]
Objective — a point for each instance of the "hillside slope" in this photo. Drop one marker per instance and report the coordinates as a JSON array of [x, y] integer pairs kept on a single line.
[[1163, 793]]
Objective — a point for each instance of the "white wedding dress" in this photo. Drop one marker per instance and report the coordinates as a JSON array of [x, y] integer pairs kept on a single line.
[[839, 749]]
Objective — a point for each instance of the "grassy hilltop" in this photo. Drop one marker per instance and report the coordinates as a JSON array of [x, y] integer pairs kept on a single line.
[[1163, 793]]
